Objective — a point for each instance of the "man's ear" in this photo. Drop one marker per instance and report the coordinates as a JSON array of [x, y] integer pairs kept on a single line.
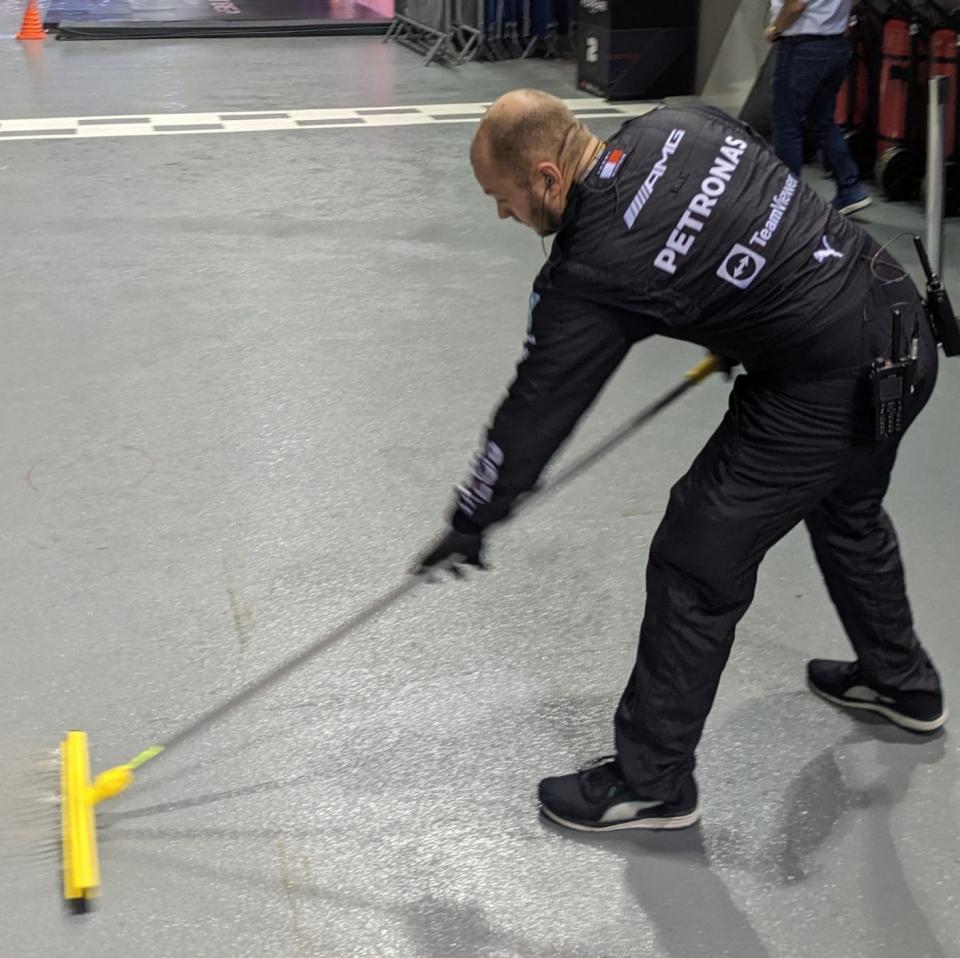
[[548, 177]]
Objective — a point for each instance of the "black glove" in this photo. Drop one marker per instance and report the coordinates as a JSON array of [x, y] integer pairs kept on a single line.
[[466, 546]]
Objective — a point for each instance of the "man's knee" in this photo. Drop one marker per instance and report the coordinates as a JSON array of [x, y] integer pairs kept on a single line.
[[698, 564], [836, 523]]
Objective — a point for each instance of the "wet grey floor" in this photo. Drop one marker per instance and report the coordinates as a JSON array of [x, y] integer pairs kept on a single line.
[[241, 374]]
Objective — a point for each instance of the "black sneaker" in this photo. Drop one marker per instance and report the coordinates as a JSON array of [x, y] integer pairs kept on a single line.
[[597, 799], [843, 684]]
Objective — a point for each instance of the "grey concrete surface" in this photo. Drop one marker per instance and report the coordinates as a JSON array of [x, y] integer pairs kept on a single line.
[[110, 77], [240, 375]]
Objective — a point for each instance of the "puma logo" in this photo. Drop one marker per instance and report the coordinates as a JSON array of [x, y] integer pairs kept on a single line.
[[828, 252], [861, 693]]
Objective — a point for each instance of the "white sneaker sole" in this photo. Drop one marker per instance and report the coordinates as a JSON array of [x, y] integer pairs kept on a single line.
[[650, 824], [904, 721], [855, 207]]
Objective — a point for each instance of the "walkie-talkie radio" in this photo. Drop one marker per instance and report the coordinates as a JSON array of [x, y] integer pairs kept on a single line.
[[891, 379], [939, 308]]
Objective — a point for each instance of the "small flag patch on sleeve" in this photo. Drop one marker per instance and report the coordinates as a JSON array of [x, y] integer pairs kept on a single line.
[[611, 163]]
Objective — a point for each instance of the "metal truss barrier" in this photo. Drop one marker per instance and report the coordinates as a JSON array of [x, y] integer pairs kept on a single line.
[[455, 31], [436, 29]]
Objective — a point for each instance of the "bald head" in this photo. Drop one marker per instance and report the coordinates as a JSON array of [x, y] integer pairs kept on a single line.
[[527, 153], [524, 128]]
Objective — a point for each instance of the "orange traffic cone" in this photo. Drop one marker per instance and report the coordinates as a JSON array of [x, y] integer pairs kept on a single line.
[[32, 28]]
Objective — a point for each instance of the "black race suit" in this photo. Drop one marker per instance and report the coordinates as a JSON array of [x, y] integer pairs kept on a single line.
[[688, 226]]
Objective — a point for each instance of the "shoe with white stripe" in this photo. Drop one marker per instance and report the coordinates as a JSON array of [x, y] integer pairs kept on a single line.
[[597, 799], [843, 684]]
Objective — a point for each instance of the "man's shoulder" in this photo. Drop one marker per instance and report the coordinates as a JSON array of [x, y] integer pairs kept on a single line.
[[689, 117]]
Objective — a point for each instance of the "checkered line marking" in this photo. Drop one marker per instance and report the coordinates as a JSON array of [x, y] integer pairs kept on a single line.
[[185, 124]]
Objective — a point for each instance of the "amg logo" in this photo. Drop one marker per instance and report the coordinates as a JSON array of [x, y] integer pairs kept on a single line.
[[656, 174]]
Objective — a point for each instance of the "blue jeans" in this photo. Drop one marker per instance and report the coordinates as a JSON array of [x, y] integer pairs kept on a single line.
[[807, 77]]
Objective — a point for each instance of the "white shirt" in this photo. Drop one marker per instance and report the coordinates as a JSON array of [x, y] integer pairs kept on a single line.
[[822, 17]]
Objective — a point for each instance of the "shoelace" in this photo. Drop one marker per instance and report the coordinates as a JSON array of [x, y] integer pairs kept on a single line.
[[597, 762], [601, 777]]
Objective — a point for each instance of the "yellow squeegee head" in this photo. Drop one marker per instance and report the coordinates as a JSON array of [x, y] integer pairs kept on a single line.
[[81, 869]]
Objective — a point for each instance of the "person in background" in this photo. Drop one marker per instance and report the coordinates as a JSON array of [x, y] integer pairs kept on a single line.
[[812, 61]]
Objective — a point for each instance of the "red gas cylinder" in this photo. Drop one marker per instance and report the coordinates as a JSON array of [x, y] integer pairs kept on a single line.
[[853, 100], [902, 93], [857, 101], [895, 78], [943, 62]]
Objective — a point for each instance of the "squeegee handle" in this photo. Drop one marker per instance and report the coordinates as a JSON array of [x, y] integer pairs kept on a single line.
[[700, 372], [286, 668]]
